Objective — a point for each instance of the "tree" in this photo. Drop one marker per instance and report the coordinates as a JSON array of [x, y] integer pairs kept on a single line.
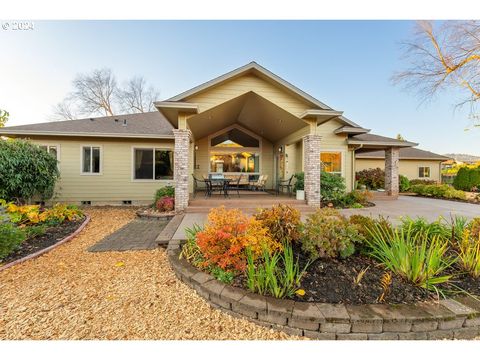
[[136, 96], [3, 117], [27, 171], [444, 56], [97, 94], [400, 137]]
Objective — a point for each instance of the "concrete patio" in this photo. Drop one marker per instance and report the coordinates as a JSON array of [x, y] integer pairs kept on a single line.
[[411, 206]]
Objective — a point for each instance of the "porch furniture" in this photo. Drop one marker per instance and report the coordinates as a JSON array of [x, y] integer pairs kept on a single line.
[[260, 184], [219, 183], [236, 185], [285, 184], [197, 186]]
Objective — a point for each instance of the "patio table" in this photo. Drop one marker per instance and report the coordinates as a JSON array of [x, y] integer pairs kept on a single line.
[[225, 182]]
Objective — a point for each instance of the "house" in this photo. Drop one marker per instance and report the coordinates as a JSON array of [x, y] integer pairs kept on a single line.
[[413, 163], [246, 122]]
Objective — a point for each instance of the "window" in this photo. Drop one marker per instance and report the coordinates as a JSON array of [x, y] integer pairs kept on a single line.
[[52, 149], [234, 162], [424, 172], [153, 164], [91, 161], [331, 162]]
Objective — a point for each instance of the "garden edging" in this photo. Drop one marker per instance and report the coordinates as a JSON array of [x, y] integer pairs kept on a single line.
[[49, 248], [457, 318]]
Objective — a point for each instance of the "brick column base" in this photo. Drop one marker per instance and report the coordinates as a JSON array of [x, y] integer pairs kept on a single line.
[[182, 143], [391, 171], [311, 167]]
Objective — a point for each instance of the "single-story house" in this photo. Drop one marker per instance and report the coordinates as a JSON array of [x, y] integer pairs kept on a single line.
[[247, 122], [413, 163]]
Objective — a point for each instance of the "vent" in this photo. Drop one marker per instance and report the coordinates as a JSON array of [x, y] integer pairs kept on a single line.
[[116, 120], [124, 122], [127, 202], [86, 202]]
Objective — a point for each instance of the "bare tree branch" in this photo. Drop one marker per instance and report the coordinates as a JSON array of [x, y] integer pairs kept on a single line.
[[135, 96], [65, 110]]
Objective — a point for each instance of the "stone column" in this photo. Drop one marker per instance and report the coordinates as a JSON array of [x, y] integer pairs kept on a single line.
[[311, 168], [391, 171], [181, 167]]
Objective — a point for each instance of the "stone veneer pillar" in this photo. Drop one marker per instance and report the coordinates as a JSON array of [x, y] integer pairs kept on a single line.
[[181, 166], [391, 171], [311, 168]]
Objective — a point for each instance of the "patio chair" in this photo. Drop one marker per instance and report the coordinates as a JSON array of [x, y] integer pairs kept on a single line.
[[197, 186], [285, 184], [236, 185], [260, 184]]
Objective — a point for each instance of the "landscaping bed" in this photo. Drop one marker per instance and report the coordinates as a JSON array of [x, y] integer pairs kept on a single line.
[[52, 235]]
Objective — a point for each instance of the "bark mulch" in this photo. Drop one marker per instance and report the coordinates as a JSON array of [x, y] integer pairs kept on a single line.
[[70, 293]]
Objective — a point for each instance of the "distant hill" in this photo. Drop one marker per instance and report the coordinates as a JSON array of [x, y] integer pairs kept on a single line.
[[466, 158]]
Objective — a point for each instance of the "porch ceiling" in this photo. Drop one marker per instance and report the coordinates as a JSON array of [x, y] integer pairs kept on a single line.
[[251, 111]]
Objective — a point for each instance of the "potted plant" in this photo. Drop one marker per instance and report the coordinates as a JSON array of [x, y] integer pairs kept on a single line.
[[299, 185]]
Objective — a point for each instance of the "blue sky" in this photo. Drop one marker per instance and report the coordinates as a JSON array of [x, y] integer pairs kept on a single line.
[[346, 64]]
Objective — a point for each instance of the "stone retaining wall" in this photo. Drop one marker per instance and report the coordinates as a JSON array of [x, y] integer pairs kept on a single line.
[[457, 318]]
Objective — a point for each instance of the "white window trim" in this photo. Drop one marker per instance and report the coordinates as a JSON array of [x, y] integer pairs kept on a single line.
[[54, 145], [81, 160], [230, 150], [165, 181], [429, 171], [342, 159]]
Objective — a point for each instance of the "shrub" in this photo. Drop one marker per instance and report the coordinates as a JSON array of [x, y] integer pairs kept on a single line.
[[165, 204], [422, 182], [412, 255], [373, 179], [166, 191], [227, 234], [33, 214], [439, 191], [355, 198], [467, 178], [422, 226], [282, 221], [474, 226], [404, 183], [299, 181], [363, 223], [276, 274], [332, 187], [329, 234], [222, 275], [27, 171], [469, 253], [11, 237]]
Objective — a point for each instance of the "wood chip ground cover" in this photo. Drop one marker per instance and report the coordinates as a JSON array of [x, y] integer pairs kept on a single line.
[[70, 293]]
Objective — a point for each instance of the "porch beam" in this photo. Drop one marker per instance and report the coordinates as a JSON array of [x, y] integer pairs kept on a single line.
[[311, 167], [181, 167]]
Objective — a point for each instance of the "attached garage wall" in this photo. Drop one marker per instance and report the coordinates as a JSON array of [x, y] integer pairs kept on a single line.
[[408, 168], [115, 183]]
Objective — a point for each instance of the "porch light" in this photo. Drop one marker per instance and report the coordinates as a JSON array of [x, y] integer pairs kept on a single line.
[[196, 147], [280, 149]]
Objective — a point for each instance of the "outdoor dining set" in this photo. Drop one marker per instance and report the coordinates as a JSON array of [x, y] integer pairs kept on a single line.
[[222, 185]]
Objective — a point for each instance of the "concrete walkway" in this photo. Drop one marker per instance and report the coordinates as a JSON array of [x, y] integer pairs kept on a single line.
[[411, 206]]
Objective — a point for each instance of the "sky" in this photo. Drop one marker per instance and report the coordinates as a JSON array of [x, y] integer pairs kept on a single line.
[[345, 64]]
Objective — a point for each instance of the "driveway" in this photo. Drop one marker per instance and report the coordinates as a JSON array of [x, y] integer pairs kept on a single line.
[[411, 206]]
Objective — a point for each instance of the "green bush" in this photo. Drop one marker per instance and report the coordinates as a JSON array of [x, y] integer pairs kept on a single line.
[[166, 191], [373, 179], [299, 181], [422, 182], [283, 222], [11, 237], [438, 191], [467, 179], [26, 171], [332, 187], [404, 183], [329, 234], [355, 199]]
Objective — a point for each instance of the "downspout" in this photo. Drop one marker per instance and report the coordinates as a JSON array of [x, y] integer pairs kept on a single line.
[[353, 164]]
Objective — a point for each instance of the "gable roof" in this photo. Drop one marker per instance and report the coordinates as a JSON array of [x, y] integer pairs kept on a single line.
[[255, 68], [143, 125], [405, 154]]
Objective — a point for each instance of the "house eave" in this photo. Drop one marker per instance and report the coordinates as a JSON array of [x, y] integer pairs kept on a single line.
[[83, 134], [381, 144]]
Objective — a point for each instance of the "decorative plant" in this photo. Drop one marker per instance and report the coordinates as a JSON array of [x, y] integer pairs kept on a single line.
[[165, 204], [404, 183], [421, 225], [282, 221], [469, 254], [227, 234], [190, 250], [11, 237], [415, 256], [329, 234], [332, 187], [299, 181], [438, 191], [166, 191]]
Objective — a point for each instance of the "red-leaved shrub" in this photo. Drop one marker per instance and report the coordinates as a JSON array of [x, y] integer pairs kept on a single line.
[[165, 204]]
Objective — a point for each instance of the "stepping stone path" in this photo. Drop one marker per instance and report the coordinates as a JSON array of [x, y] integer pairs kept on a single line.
[[139, 234]]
